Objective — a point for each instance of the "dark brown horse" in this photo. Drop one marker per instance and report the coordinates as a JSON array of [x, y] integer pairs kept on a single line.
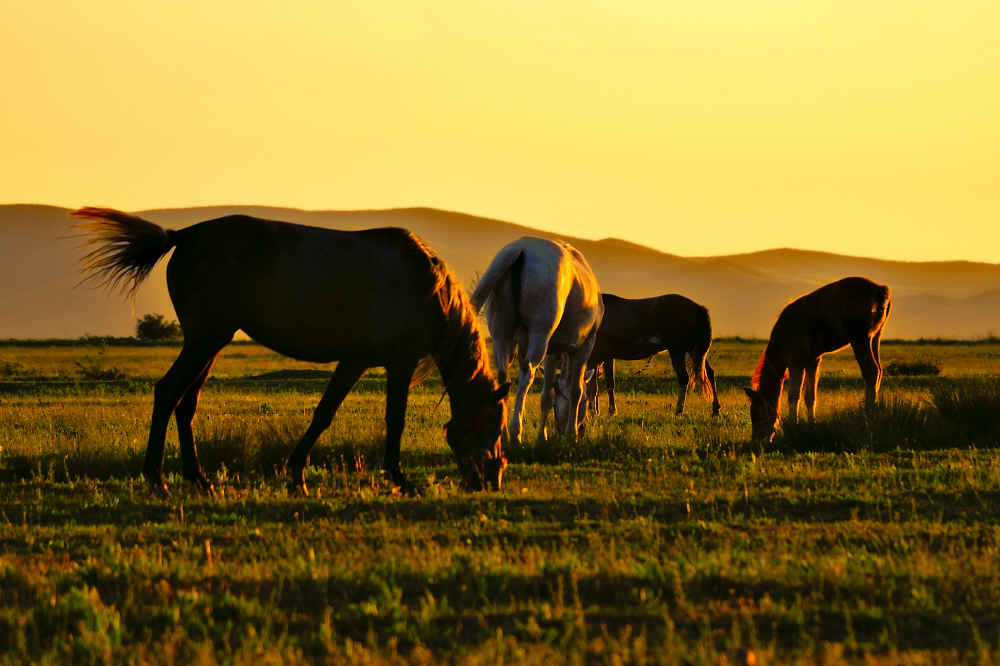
[[851, 311], [371, 298], [634, 329]]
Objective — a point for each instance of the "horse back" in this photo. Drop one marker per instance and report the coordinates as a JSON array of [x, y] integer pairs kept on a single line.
[[557, 290], [637, 328], [365, 289], [833, 316]]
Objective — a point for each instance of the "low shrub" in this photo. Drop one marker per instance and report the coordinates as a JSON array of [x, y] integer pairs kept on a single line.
[[913, 368], [13, 370], [93, 369]]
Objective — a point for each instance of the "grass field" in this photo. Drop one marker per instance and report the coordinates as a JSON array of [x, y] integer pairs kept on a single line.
[[867, 538]]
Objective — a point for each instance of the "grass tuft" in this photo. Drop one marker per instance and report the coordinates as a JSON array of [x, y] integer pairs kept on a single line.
[[970, 407], [894, 424]]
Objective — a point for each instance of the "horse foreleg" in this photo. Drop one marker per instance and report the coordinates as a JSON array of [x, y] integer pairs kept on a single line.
[[812, 386], [191, 468], [344, 378], [678, 360], [191, 363], [609, 382], [710, 373], [397, 391], [795, 377]]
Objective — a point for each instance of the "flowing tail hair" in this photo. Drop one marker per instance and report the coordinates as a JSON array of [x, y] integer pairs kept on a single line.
[[699, 353], [127, 248]]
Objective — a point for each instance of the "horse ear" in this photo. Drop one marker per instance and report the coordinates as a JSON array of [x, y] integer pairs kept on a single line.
[[501, 392], [751, 393], [589, 374]]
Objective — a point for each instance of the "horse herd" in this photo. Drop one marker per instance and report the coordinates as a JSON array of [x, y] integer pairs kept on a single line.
[[383, 298]]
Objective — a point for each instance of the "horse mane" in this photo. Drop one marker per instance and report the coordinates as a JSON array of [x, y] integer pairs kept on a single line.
[[462, 338], [755, 380]]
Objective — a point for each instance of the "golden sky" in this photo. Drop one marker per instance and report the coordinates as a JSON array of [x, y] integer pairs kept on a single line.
[[699, 127]]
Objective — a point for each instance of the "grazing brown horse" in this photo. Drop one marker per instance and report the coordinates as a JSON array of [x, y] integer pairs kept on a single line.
[[851, 311], [371, 298], [634, 329], [542, 297]]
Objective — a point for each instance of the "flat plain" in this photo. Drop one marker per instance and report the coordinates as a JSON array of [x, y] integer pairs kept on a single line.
[[861, 538]]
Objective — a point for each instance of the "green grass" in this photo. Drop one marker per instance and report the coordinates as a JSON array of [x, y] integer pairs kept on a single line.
[[860, 538]]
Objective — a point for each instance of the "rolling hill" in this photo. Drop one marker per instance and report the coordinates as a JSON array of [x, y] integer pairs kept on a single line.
[[39, 297]]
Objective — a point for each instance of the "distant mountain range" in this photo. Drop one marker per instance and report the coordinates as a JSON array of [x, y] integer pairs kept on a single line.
[[39, 297]]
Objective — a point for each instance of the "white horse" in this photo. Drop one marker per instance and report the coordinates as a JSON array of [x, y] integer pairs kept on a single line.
[[541, 296]]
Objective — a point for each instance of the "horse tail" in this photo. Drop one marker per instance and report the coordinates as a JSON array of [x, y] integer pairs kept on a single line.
[[702, 334], [881, 304], [488, 281], [127, 248]]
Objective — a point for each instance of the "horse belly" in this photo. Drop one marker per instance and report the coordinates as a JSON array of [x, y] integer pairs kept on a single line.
[[327, 330]]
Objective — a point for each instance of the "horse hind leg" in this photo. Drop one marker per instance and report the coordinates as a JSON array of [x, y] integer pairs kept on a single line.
[[532, 359], [609, 383], [344, 378], [184, 414], [710, 373], [192, 363], [593, 404], [876, 343], [552, 362], [683, 378], [870, 371]]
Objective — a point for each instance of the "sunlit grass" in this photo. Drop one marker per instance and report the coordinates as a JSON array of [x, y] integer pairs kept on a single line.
[[863, 537]]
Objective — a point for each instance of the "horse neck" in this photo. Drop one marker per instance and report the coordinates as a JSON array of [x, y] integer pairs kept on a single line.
[[461, 360], [772, 377]]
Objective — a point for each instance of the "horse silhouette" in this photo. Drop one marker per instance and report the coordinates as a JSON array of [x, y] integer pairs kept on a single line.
[[365, 299], [851, 311]]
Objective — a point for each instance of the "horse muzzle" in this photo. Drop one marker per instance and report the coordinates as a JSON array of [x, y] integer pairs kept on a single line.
[[480, 476]]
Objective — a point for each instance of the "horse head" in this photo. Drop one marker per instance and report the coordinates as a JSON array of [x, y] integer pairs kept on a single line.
[[763, 417], [475, 441]]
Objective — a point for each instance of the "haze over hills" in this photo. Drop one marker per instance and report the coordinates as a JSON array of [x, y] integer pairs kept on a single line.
[[744, 293]]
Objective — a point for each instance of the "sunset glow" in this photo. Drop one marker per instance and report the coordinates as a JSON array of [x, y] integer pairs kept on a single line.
[[699, 128]]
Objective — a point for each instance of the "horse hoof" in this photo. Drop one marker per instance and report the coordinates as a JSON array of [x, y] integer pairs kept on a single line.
[[201, 483], [157, 486], [296, 481], [297, 488], [159, 491]]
